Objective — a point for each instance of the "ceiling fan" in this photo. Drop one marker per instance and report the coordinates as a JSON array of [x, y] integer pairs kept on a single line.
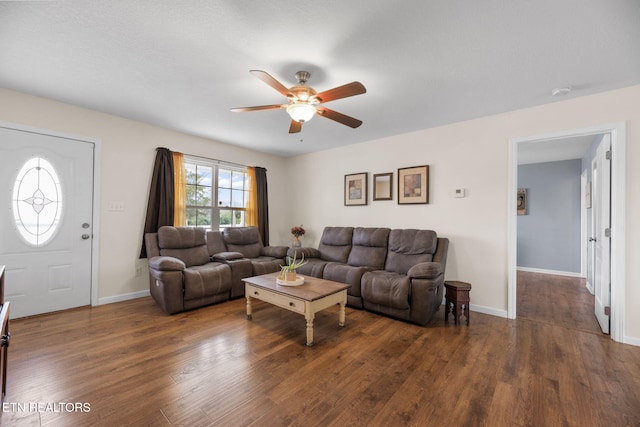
[[304, 102]]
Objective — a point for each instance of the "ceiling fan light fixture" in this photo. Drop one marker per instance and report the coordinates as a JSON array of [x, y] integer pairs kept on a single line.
[[301, 112]]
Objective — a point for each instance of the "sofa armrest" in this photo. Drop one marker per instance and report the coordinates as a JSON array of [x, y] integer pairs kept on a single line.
[[226, 256], [307, 252], [274, 251], [425, 270], [166, 263]]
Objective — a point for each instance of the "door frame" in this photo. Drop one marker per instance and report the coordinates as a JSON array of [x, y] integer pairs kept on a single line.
[[618, 218], [97, 152]]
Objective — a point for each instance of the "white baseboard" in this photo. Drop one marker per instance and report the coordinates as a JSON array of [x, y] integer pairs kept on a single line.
[[554, 272], [631, 341], [484, 310], [590, 288], [123, 297], [488, 310]]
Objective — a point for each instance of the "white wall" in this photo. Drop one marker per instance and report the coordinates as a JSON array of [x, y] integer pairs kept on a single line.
[[471, 155], [127, 158]]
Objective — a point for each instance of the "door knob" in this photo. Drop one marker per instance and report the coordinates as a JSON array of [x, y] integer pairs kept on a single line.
[[592, 239], [85, 236]]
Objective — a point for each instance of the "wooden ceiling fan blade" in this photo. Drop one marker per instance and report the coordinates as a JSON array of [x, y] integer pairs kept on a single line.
[[271, 81], [295, 126], [344, 91], [339, 117], [256, 108]]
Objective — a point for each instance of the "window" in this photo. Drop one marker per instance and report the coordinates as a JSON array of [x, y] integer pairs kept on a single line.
[[37, 201], [217, 194]]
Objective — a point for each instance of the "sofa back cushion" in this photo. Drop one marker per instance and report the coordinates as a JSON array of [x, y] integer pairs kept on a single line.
[[245, 240], [408, 248], [335, 244], [369, 247], [188, 244], [215, 242]]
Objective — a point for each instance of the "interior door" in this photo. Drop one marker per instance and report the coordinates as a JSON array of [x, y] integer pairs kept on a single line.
[[45, 227], [601, 192]]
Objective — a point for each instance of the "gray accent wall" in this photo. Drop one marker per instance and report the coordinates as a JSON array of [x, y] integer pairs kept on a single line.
[[549, 234]]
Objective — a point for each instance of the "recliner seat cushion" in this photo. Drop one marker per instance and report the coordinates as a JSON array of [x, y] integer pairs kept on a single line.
[[344, 273], [387, 289], [264, 265], [206, 280]]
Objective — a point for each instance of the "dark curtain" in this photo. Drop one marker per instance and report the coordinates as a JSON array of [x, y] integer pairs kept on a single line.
[[263, 204], [161, 196]]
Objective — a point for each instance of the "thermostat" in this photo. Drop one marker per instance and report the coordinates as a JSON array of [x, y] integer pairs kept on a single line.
[[459, 192]]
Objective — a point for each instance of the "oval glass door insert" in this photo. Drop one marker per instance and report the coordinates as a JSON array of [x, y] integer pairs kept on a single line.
[[37, 201]]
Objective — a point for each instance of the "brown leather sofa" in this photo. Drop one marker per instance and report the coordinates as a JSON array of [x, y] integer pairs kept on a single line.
[[190, 267], [399, 273]]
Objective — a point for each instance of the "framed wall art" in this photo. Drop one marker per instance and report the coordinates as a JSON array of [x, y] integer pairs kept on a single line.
[[522, 201], [355, 189], [382, 186], [413, 185]]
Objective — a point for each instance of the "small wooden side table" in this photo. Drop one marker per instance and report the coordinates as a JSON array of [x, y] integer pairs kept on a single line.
[[457, 295]]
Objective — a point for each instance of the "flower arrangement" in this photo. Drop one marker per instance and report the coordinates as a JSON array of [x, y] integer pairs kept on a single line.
[[298, 231]]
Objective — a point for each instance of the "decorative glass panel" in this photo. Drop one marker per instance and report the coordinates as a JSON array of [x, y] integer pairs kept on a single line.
[[37, 201]]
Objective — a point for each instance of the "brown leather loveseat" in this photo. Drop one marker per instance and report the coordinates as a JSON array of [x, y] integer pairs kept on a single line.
[[190, 267]]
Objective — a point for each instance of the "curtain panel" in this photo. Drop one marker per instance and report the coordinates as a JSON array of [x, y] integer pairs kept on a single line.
[[160, 208], [180, 188], [251, 213], [263, 204]]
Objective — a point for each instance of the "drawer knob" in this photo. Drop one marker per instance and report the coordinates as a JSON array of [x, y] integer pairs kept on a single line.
[[291, 304], [255, 292]]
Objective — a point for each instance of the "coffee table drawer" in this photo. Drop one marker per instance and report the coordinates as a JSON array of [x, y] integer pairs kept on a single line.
[[284, 301]]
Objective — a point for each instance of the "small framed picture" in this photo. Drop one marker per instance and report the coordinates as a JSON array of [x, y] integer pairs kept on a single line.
[[522, 201], [355, 189], [382, 188], [413, 185]]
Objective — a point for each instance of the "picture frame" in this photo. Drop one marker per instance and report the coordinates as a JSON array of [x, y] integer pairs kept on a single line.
[[413, 185], [521, 204], [383, 186], [355, 189]]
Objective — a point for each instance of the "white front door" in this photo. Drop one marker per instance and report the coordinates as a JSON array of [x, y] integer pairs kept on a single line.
[[601, 192], [46, 201]]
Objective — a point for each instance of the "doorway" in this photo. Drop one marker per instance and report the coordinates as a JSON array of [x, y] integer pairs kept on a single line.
[[47, 242], [618, 189]]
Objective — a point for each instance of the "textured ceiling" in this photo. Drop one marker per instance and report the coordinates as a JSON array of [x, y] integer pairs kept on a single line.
[[184, 65]]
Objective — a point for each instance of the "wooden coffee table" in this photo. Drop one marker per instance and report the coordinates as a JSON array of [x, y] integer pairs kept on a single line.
[[306, 299]]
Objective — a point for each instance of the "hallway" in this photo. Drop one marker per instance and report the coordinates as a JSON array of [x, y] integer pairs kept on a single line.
[[557, 300]]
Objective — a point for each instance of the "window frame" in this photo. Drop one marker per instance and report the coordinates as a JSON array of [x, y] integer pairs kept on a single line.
[[216, 208]]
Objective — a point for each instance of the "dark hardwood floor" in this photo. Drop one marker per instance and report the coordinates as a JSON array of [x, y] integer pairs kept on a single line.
[[558, 300], [133, 365]]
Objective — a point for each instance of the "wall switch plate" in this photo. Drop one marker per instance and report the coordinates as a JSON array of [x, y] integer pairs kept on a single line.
[[459, 192], [115, 206]]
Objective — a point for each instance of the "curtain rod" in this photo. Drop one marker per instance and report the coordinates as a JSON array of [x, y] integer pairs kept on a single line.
[[216, 160], [208, 158]]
